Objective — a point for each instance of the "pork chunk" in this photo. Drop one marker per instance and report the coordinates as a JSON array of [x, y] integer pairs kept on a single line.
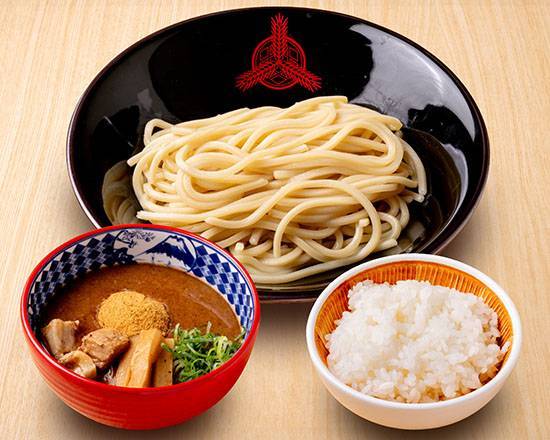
[[80, 363], [60, 336], [104, 346]]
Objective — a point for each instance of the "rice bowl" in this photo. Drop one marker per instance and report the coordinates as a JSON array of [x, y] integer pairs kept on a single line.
[[447, 272], [414, 342]]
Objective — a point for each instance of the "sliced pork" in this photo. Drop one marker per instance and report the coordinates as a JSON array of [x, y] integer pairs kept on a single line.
[[104, 346], [60, 336], [80, 363]]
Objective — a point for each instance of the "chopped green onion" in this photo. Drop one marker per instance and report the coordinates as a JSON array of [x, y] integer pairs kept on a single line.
[[196, 353]]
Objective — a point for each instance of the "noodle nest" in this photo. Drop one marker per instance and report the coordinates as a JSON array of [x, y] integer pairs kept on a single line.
[[290, 192]]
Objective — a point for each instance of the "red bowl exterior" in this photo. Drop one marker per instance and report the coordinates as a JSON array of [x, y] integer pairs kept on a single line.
[[136, 408]]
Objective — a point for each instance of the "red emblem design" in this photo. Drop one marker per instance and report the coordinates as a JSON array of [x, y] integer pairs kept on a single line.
[[278, 62]]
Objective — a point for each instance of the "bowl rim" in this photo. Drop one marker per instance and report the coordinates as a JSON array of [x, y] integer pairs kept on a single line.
[[38, 349], [493, 384], [442, 238]]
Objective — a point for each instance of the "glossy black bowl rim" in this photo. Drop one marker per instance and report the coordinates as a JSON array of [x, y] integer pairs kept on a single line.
[[449, 230]]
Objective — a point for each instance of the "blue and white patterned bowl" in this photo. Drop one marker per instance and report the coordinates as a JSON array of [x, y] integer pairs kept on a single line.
[[131, 244], [145, 244]]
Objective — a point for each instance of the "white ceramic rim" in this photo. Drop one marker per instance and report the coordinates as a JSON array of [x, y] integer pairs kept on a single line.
[[499, 378]]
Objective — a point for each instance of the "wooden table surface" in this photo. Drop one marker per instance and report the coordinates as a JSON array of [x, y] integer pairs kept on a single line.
[[50, 51]]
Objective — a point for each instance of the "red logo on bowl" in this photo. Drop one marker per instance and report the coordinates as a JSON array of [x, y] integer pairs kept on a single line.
[[278, 62]]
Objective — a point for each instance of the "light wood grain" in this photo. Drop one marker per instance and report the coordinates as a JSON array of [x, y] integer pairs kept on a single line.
[[49, 52]]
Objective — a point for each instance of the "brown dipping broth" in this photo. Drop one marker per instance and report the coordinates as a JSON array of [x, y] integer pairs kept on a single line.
[[190, 302]]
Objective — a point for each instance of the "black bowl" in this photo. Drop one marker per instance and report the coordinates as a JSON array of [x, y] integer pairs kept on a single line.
[[191, 69]]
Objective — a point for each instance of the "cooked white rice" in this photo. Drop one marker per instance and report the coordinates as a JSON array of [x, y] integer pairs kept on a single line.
[[414, 342]]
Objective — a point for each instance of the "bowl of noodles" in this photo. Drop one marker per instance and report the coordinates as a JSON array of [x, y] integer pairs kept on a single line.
[[299, 152]]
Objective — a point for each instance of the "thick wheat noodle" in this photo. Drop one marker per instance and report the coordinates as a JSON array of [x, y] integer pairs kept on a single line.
[[290, 192], [256, 236]]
